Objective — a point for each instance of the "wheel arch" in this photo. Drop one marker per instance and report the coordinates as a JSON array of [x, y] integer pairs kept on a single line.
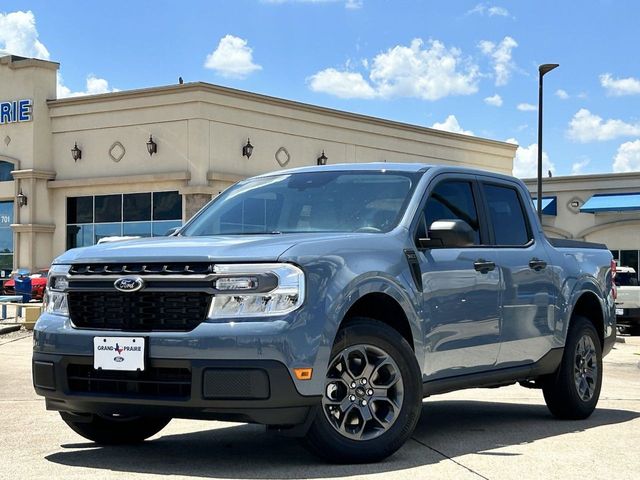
[[384, 308], [588, 305]]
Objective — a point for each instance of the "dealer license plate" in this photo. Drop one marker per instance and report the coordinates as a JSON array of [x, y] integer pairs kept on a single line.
[[619, 311], [118, 353]]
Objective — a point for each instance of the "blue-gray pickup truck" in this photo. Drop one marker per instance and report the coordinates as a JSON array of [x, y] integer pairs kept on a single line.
[[326, 302]]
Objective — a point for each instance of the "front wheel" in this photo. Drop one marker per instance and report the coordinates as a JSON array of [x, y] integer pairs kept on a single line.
[[115, 429], [572, 392], [372, 395]]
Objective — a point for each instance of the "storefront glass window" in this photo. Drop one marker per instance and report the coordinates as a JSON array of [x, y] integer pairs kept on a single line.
[[5, 171], [80, 210], [137, 229], [6, 236], [137, 207], [79, 235], [108, 208], [167, 206], [132, 214]]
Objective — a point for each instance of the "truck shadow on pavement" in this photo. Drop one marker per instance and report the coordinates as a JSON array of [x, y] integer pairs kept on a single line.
[[446, 429]]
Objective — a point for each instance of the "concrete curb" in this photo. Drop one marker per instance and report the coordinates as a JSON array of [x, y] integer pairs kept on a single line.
[[9, 329], [620, 340]]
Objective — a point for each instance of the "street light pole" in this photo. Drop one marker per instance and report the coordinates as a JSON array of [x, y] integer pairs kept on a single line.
[[542, 69]]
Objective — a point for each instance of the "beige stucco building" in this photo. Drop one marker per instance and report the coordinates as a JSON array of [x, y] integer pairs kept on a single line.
[[116, 187], [602, 208]]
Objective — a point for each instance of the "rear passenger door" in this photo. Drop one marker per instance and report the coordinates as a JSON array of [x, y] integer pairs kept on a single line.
[[528, 299], [460, 284]]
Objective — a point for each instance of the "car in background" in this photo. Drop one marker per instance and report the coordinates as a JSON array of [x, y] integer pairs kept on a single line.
[[38, 283], [627, 301]]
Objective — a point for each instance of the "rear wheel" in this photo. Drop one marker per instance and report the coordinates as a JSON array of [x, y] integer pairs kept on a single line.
[[115, 429], [572, 392], [372, 398]]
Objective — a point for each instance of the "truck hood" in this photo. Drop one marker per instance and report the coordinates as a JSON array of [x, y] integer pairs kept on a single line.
[[217, 248]]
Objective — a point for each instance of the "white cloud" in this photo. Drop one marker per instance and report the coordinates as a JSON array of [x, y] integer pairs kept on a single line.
[[429, 72], [627, 158], [587, 127], [341, 84], [451, 125], [490, 10], [494, 100], [349, 4], [94, 86], [232, 58], [526, 107], [500, 55], [562, 94], [19, 36], [525, 163], [617, 87], [578, 167]]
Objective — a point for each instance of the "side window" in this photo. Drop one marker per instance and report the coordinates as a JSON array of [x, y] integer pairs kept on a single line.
[[453, 200], [506, 215]]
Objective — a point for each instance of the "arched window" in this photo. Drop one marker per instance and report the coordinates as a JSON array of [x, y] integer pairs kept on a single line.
[[5, 171]]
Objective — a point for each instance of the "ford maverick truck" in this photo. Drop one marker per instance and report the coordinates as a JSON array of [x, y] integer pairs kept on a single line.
[[326, 302]]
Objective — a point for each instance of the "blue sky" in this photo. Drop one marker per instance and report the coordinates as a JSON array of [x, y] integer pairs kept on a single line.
[[465, 66]]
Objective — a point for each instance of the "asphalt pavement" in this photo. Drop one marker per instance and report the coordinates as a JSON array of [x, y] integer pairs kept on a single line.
[[503, 433]]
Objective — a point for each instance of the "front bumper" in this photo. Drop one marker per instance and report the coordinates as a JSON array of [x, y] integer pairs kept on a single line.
[[256, 391], [295, 342]]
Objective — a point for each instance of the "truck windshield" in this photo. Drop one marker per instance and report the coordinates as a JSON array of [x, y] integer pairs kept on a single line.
[[360, 201]]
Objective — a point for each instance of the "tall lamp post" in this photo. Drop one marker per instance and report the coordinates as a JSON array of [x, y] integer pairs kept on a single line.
[[542, 69]]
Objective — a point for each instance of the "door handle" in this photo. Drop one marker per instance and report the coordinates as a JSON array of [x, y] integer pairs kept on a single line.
[[484, 266], [537, 264]]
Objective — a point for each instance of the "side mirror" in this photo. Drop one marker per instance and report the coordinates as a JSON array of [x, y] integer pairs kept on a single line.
[[172, 231], [448, 234]]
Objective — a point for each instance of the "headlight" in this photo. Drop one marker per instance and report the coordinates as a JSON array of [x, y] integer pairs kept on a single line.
[[55, 297], [257, 290]]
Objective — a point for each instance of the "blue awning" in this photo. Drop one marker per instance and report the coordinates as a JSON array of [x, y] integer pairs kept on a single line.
[[612, 202], [549, 205]]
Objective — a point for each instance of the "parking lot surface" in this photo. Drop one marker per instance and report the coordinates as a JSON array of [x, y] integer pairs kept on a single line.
[[493, 433]]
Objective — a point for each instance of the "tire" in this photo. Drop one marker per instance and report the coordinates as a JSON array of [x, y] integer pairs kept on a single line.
[[572, 392], [346, 430], [113, 430]]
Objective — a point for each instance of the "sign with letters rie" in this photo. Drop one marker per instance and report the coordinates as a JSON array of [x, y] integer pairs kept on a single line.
[[16, 111]]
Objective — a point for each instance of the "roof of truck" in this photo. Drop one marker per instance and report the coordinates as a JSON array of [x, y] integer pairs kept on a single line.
[[381, 166]]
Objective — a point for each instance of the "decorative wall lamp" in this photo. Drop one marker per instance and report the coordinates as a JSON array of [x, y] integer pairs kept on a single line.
[[22, 199], [76, 153], [152, 147], [247, 150], [322, 159]]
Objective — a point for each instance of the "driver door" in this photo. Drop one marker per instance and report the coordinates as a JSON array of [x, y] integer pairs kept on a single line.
[[461, 284]]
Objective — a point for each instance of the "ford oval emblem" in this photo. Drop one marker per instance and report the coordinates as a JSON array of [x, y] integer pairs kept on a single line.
[[129, 284]]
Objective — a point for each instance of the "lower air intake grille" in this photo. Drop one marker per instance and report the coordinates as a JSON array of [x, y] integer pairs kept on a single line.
[[153, 382], [139, 311]]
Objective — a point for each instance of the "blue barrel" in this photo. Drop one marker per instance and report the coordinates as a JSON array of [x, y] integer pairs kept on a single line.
[[23, 287]]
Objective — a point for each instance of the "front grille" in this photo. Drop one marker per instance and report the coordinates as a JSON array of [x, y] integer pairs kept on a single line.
[[152, 382], [196, 268], [139, 311]]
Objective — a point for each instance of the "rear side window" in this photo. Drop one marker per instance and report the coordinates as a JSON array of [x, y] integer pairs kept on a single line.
[[453, 200], [507, 215]]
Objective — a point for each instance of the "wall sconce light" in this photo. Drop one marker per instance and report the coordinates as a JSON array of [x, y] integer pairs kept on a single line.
[[322, 159], [76, 153], [22, 199], [247, 150], [152, 147]]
